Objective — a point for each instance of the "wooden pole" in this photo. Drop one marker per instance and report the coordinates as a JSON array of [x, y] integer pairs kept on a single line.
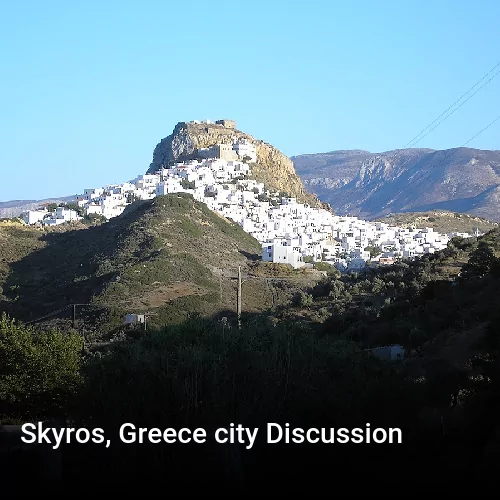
[[74, 316], [239, 297], [220, 286]]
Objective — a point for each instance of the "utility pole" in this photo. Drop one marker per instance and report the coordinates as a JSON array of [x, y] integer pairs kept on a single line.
[[74, 316], [220, 285], [239, 297]]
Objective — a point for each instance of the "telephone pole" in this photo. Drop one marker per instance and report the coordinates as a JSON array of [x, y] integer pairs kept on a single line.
[[239, 297], [74, 316], [220, 285]]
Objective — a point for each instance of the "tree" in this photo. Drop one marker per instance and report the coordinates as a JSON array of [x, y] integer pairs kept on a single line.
[[38, 370], [480, 262], [374, 251], [95, 218], [337, 289], [303, 299], [51, 207], [378, 286], [73, 206], [187, 184]]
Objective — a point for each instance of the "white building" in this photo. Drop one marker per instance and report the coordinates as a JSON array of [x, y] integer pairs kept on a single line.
[[287, 230], [282, 252], [244, 149], [60, 216], [34, 216]]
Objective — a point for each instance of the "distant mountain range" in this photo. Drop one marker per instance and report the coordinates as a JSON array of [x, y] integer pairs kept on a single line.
[[14, 208], [372, 185]]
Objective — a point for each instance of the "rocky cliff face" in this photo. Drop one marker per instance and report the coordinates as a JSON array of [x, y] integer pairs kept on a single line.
[[409, 180], [273, 168]]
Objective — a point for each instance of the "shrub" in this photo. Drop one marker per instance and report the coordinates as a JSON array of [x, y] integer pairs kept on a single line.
[[38, 370], [303, 299]]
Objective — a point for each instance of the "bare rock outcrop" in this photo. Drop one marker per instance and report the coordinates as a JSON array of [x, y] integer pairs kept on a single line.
[[273, 168]]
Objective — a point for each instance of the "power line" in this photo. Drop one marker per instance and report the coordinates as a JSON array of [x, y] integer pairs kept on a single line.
[[481, 131], [425, 135], [450, 107], [48, 315], [454, 151], [57, 312], [434, 125]]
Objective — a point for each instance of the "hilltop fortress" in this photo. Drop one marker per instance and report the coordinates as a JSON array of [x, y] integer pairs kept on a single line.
[[223, 123], [206, 139]]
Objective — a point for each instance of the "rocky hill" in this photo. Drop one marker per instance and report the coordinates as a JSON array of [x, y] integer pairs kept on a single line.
[[410, 180], [272, 168]]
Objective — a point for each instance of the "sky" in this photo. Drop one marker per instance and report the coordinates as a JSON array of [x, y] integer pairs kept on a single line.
[[88, 88]]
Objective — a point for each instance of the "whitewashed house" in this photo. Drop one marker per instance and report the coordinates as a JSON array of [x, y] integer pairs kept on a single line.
[[60, 216], [281, 251], [34, 216]]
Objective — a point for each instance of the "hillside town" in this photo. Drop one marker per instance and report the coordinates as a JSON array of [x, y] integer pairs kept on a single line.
[[289, 232]]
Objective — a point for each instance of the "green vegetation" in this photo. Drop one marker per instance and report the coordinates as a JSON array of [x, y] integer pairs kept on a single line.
[[441, 221], [326, 267], [143, 261], [305, 364], [299, 356], [94, 219], [188, 184], [374, 251], [39, 371], [73, 206]]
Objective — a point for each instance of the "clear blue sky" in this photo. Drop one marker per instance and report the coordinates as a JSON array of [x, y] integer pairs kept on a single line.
[[88, 88]]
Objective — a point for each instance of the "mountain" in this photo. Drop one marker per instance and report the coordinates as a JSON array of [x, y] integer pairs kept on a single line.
[[272, 168], [14, 208], [161, 257], [373, 185]]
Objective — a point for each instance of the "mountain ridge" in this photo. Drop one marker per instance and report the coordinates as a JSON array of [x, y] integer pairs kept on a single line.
[[373, 185]]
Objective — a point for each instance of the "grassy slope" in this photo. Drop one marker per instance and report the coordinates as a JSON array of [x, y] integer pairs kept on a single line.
[[441, 221], [160, 257]]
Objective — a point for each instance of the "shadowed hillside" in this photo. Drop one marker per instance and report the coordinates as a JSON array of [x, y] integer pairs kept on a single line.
[[161, 257]]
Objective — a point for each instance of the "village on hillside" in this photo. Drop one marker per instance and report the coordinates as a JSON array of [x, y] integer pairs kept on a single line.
[[290, 232]]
